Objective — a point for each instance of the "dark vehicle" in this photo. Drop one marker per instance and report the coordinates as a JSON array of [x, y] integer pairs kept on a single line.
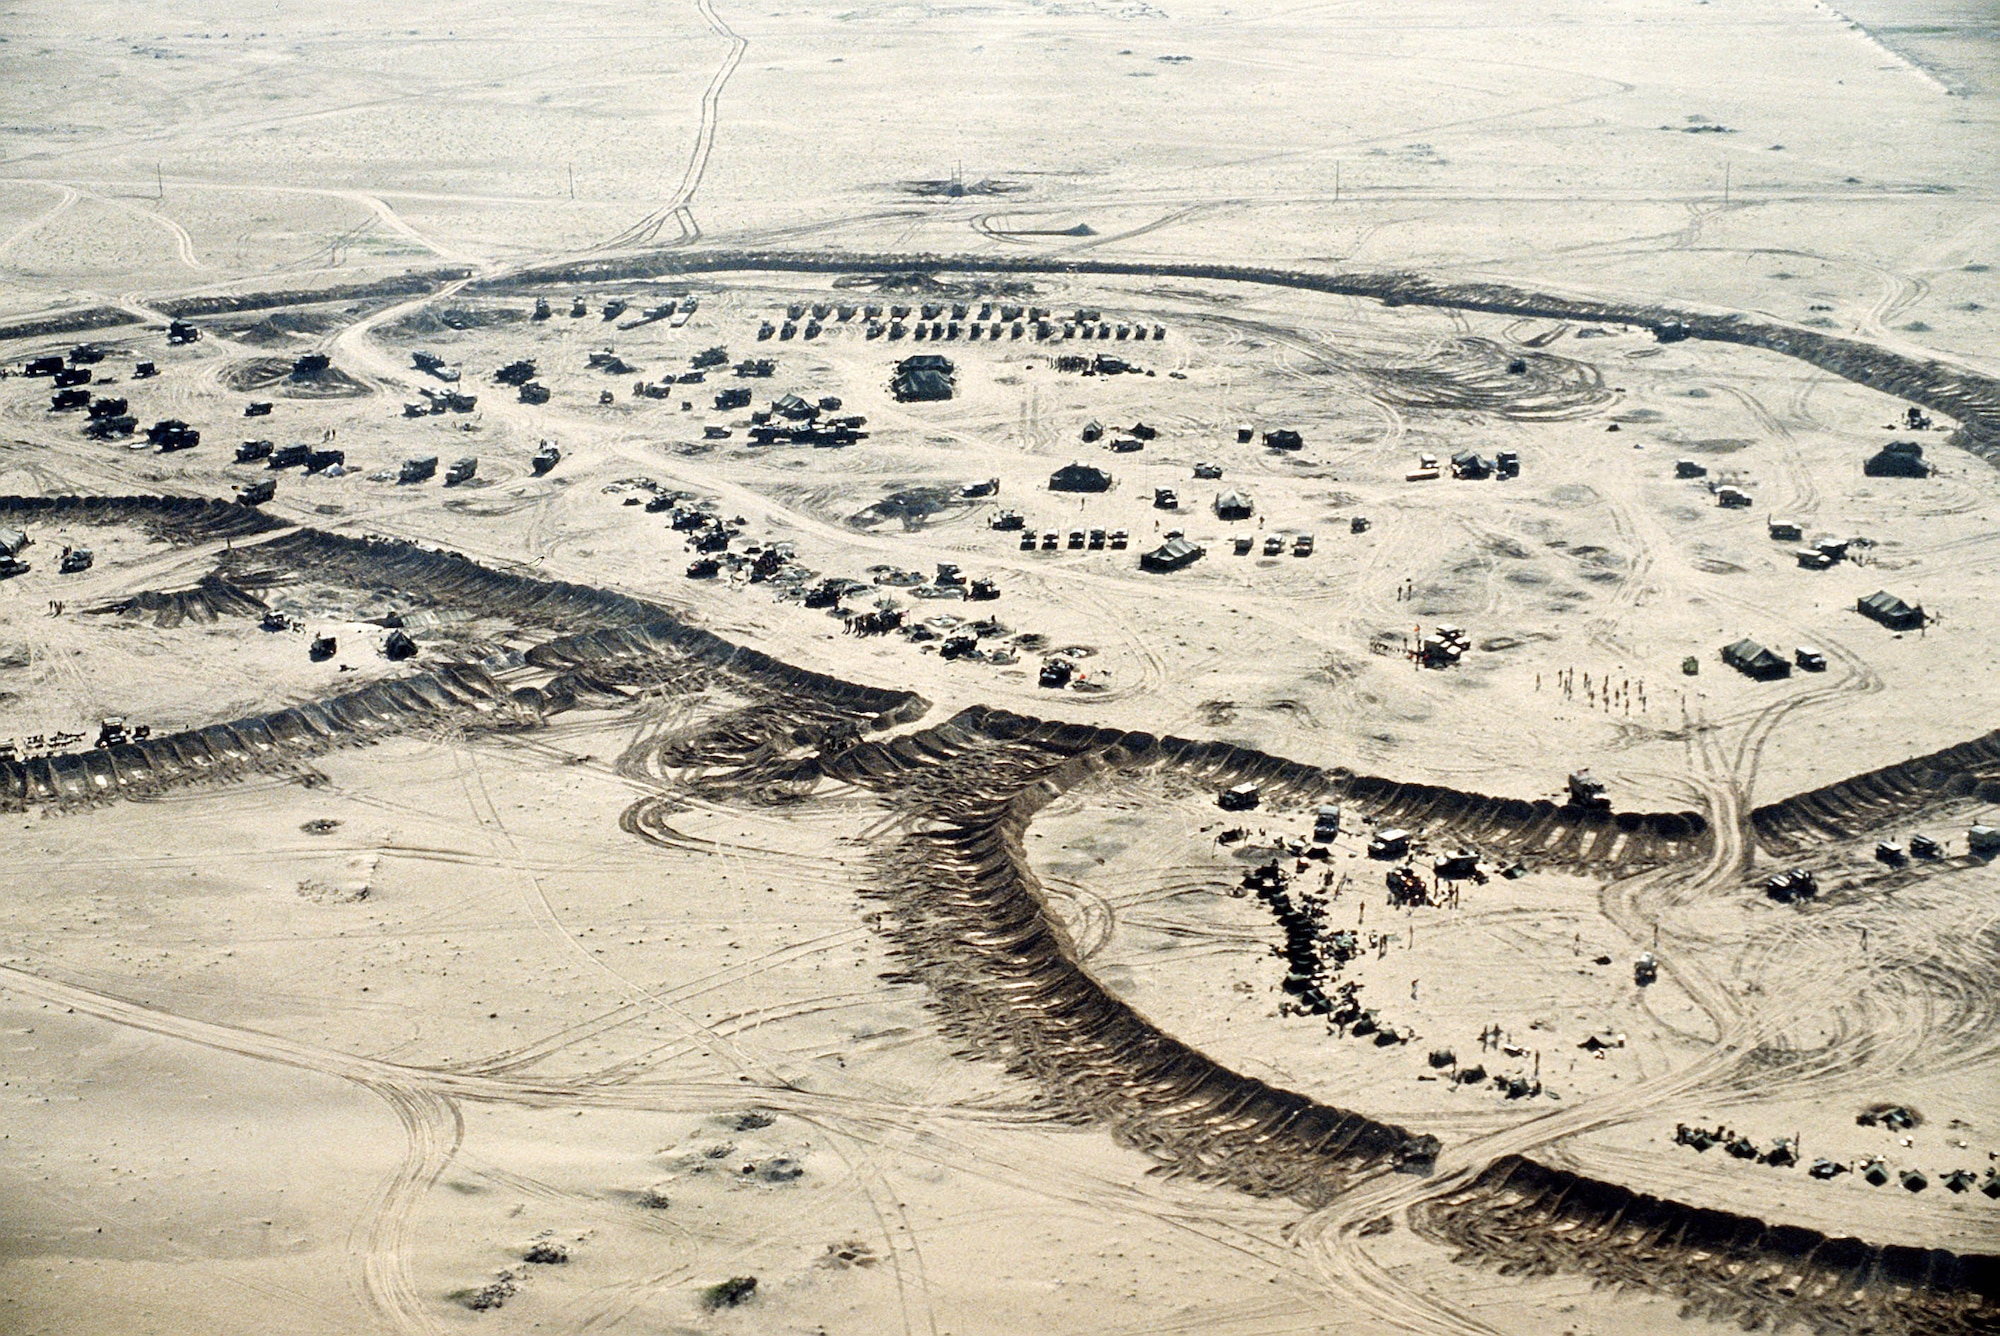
[[144, 371], [545, 458], [1056, 673], [420, 469], [257, 408], [180, 331], [289, 456], [461, 470], [515, 373], [1587, 791], [72, 375], [256, 493], [105, 408], [105, 428], [704, 568], [1391, 843], [433, 365], [323, 648], [173, 434], [319, 461], [1240, 798], [534, 393], [42, 366], [75, 560], [1796, 884], [398, 647], [1459, 865], [68, 401]]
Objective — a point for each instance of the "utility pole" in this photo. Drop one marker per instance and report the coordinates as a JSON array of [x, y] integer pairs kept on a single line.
[[159, 182], [1725, 183], [572, 181], [1336, 180]]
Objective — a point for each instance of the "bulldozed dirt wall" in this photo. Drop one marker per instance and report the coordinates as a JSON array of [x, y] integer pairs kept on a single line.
[[189, 519], [965, 915], [1525, 1217], [1966, 397], [1869, 802], [403, 285], [69, 322]]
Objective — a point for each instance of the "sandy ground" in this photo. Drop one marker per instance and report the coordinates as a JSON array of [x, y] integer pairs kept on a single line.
[[334, 1048]]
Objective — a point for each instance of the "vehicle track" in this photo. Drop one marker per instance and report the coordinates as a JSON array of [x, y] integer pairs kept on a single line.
[[435, 1130], [678, 210]]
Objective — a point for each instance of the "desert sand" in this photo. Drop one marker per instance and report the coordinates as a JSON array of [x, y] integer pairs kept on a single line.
[[655, 929]]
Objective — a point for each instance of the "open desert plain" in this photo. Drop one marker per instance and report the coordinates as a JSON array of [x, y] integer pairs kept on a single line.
[[1021, 666]]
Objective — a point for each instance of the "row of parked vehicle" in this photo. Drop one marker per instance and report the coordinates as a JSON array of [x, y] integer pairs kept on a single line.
[[1093, 540]]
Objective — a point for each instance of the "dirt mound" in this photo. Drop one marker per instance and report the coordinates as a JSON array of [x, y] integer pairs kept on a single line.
[[282, 375], [281, 327], [401, 285], [426, 321], [911, 507], [1527, 1218], [213, 598], [1865, 803], [175, 519], [150, 766]]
